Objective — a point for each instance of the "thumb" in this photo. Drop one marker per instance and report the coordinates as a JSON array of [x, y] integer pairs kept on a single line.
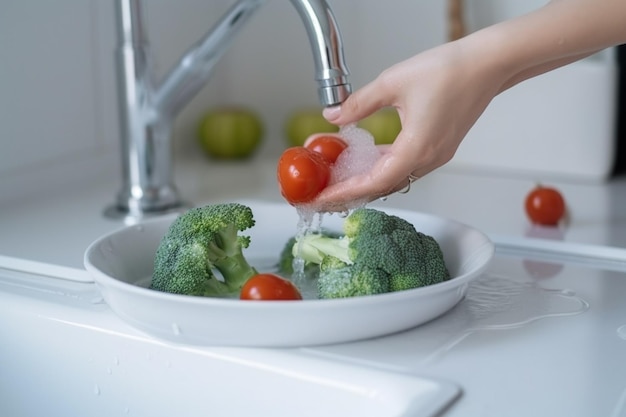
[[358, 105]]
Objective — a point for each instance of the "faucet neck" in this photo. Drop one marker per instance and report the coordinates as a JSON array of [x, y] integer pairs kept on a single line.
[[147, 111], [147, 186]]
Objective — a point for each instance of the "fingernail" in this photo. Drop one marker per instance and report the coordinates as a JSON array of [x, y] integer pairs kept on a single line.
[[331, 113]]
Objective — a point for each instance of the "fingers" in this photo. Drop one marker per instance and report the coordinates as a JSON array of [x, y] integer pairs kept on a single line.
[[355, 192], [390, 174], [399, 165], [360, 104]]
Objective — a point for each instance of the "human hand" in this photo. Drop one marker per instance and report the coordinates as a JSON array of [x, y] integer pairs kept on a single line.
[[439, 95]]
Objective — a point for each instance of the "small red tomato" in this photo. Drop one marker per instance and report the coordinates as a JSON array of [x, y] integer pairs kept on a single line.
[[545, 206], [328, 146], [302, 174], [269, 287]]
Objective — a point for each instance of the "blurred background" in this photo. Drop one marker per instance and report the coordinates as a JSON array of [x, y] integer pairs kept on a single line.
[[58, 104]]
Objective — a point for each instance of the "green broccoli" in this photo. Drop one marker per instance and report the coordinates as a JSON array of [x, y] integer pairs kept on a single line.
[[378, 253], [201, 242], [338, 279], [285, 261]]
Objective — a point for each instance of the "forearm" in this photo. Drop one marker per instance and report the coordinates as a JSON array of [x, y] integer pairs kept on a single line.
[[541, 69], [559, 33], [441, 92]]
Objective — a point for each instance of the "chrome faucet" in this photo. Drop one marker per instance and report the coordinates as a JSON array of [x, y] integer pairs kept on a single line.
[[147, 109]]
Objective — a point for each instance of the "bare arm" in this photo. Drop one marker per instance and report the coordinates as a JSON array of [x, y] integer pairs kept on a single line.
[[440, 93]]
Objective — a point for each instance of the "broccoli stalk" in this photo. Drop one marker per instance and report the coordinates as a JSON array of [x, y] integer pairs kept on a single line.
[[202, 244], [286, 258], [379, 253]]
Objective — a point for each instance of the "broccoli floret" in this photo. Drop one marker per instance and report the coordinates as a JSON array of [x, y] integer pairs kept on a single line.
[[200, 242], [340, 280], [383, 245]]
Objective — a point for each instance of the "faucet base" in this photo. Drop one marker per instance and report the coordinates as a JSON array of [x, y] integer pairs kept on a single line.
[[144, 203], [129, 218]]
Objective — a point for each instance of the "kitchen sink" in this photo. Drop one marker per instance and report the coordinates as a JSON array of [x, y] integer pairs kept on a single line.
[[66, 354]]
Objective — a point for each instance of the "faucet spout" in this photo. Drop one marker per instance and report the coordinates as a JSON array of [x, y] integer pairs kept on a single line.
[[331, 71], [147, 110]]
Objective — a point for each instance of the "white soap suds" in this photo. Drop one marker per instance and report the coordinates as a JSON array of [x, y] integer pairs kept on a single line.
[[358, 158]]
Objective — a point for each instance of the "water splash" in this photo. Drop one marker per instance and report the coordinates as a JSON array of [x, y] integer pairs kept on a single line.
[[309, 221]]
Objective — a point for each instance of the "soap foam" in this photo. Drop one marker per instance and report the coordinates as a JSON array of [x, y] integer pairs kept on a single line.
[[358, 158]]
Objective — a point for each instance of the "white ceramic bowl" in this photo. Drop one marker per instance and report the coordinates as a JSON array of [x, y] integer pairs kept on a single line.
[[121, 264]]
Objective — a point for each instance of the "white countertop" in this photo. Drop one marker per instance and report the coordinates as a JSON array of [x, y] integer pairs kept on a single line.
[[542, 336], [31, 229]]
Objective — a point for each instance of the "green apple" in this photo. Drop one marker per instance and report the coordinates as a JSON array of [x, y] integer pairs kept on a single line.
[[304, 122], [230, 133], [384, 125]]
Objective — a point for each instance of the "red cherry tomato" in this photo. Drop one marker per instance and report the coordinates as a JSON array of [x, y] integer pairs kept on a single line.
[[328, 146], [545, 206], [302, 174], [269, 287]]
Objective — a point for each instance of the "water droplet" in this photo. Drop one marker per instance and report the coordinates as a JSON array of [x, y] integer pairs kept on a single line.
[[116, 360], [176, 329], [568, 293], [97, 300], [126, 410], [109, 371], [383, 199], [96, 389], [621, 332]]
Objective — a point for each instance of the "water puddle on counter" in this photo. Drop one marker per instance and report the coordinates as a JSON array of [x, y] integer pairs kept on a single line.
[[619, 410], [495, 302]]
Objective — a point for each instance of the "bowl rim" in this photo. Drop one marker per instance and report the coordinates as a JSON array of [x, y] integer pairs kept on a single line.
[[486, 250]]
